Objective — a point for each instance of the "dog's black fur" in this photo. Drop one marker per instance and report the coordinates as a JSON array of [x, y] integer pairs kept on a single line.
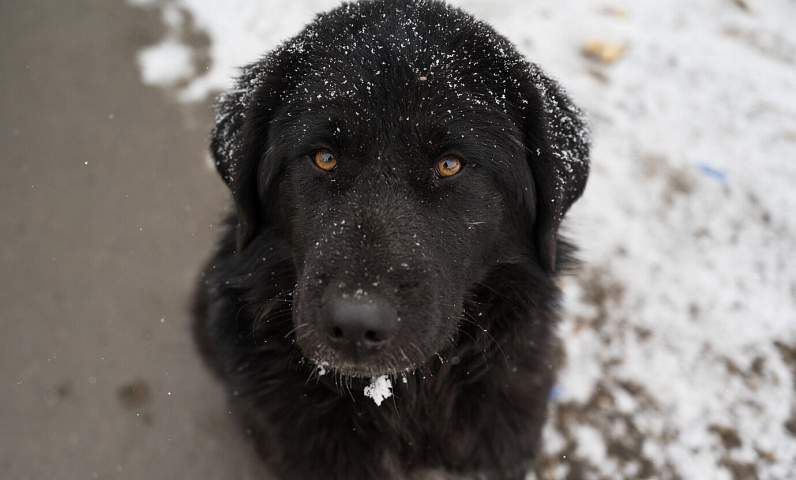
[[461, 268]]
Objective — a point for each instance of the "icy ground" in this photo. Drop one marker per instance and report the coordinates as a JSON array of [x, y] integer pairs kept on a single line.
[[679, 347]]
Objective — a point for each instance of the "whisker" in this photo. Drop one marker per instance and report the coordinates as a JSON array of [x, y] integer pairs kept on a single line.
[[306, 334], [294, 329], [348, 387], [475, 342]]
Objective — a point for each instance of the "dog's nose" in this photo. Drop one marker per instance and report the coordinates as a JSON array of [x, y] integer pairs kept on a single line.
[[359, 328]]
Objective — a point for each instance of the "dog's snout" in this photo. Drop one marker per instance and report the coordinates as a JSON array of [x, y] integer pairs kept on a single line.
[[359, 328]]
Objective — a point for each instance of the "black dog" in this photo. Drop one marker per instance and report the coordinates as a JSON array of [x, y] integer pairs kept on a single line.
[[400, 174]]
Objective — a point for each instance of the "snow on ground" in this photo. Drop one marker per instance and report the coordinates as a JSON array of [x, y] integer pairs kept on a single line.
[[679, 345]]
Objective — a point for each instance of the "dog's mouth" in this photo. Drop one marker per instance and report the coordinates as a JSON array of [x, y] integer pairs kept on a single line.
[[359, 360], [342, 371]]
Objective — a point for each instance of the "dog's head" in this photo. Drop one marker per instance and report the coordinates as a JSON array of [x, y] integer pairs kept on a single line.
[[403, 150]]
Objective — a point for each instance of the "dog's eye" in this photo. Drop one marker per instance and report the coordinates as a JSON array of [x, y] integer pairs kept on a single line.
[[449, 165], [325, 160]]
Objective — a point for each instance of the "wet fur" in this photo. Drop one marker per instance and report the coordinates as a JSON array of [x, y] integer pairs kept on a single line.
[[470, 262]]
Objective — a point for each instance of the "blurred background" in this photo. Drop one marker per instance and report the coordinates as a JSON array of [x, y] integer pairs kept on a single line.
[[679, 339]]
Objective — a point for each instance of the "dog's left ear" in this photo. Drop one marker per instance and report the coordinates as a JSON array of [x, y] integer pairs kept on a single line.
[[240, 138], [557, 149]]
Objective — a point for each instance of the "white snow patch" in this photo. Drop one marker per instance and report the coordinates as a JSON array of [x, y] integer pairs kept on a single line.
[[166, 64], [380, 389], [590, 444]]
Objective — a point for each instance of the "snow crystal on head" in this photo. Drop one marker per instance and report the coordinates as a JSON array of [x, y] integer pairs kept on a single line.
[[441, 45], [568, 140], [231, 111]]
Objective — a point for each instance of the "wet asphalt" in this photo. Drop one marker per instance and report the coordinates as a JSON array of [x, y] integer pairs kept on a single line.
[[107, 210]]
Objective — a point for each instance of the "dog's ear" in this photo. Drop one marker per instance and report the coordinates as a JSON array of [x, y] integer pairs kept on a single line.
[[240, 138], [557, 148]]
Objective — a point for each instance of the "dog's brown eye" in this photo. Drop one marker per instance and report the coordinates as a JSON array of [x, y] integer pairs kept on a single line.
[[325, 160], [449, 165]]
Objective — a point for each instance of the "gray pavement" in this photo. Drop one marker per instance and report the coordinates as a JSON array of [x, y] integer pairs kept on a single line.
[[107, 208]]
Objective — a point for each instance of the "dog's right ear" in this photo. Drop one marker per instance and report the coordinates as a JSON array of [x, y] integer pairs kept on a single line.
[[240, 138], [558, 154]]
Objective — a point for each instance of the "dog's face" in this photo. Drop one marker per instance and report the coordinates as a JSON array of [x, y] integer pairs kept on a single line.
[[400, 170], [394, 201]]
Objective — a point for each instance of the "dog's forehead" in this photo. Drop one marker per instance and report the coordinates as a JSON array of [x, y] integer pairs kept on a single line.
[[410, 52], [420, 80]]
